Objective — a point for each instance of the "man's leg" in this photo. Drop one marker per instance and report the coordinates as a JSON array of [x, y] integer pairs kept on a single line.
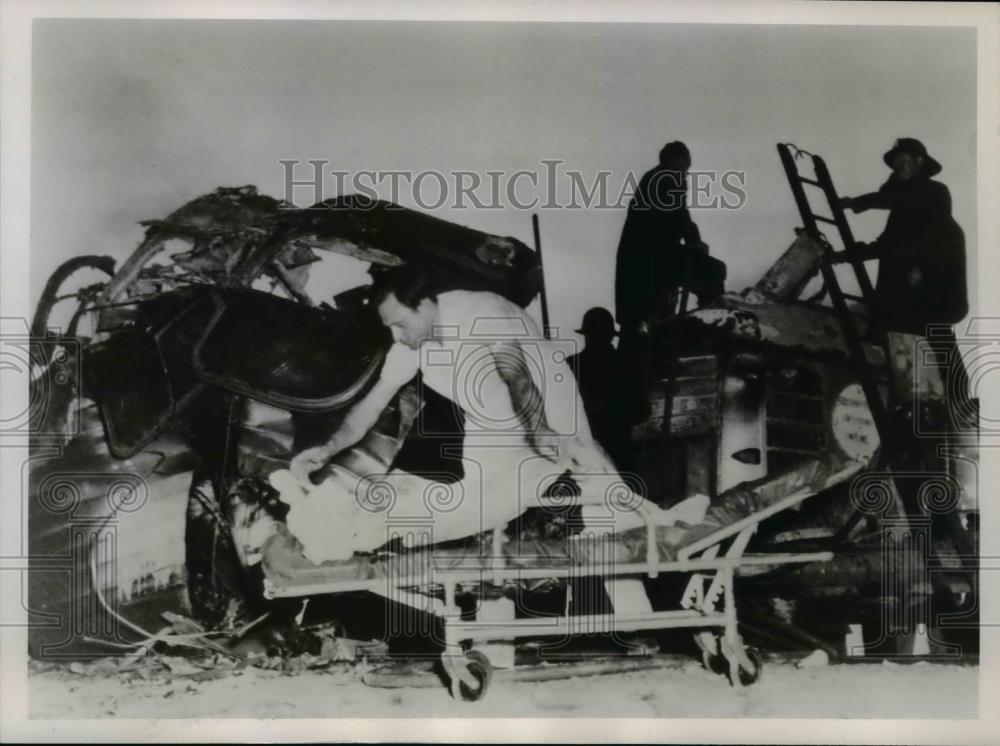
[[423, 511]]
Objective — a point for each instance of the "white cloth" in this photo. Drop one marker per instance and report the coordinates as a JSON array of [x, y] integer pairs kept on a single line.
[[325, 519]]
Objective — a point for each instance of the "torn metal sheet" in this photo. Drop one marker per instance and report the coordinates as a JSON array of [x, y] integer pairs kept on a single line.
[[793, 326]]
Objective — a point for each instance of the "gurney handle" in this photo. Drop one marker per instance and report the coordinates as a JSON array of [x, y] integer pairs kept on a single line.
[[755, 518]]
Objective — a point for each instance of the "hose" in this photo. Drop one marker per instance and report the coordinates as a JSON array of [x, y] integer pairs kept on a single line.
[[150, 638]]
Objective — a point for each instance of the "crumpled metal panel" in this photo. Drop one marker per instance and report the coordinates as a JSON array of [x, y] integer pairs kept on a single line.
[[388, 234], [235, 234], [226, 210], [788, 277], [794, 326]]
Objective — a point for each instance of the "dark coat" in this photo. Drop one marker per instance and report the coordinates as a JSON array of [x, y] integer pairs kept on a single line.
[[658, 222], [921, 235], [599, 379]]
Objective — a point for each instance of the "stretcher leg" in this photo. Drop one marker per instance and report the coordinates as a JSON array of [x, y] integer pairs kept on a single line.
[[469, 673], [711, 657], [744, 664]]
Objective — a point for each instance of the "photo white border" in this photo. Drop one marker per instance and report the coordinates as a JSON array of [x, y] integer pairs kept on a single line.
[[15, 126]]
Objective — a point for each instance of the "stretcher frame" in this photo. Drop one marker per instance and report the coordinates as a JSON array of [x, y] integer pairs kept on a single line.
[[708, 603]]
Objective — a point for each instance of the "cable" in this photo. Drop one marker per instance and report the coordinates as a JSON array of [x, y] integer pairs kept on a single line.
[[97, 586], [150, 638]]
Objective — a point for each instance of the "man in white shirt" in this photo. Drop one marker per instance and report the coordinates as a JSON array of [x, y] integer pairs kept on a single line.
[[524, 420]]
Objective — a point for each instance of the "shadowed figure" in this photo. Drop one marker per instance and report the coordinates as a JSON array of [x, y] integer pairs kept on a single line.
[[921, 253], [657, 224], [597, 372]]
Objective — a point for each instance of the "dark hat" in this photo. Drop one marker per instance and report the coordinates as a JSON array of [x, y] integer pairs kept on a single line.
[[598, 321], [914, 147]]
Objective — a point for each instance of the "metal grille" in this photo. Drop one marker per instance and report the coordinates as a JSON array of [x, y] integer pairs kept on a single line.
[[795, 416]]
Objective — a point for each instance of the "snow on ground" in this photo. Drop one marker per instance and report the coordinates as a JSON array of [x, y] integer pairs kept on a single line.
[[886, 690]]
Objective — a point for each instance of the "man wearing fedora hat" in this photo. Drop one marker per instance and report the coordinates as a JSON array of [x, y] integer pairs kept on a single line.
[[596, 370], [921, 252]]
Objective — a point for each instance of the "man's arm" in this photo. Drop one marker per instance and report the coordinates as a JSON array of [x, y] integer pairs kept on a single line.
[[400, 366], [362, 416], [870, 201], [529, 406], [690, 231], [885, 198], [575, 451]]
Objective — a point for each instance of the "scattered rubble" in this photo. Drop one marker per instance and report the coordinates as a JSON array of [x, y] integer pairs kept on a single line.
[[170, 655], [339, 690], [816, 659]]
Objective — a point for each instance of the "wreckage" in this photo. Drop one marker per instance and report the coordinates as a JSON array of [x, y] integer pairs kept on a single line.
[[209, 355], [216, 351]]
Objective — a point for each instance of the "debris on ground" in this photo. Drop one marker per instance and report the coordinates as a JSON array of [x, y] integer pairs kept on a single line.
[[338, 690], [184, 651], [816, 659]]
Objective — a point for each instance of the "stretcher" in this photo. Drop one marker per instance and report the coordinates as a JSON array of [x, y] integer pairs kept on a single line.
[[712, 553]]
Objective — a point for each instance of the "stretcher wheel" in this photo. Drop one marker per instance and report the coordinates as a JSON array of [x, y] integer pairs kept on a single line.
[[714, 662], [478, 666], [749, 676]]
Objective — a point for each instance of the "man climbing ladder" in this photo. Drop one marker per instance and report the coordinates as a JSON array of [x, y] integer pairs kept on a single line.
[[919, 259]]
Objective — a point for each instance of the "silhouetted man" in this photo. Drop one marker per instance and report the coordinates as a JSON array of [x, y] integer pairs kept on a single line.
[[596, 371], [658, 222], [648, 267], [921, 253]]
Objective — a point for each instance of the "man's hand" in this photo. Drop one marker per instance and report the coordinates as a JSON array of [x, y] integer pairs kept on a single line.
[[915, 277], [308, 461]]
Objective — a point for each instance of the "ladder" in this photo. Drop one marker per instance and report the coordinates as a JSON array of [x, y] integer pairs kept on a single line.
[[867, 377], [901, 448]]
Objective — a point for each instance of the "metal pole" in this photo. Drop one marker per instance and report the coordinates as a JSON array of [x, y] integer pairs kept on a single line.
[[541, 267]]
